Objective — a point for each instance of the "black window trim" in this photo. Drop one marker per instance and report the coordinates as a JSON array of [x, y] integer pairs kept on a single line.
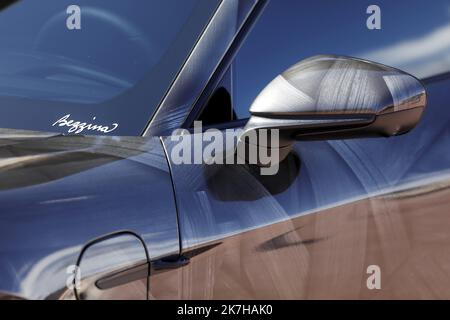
[[220, 71]]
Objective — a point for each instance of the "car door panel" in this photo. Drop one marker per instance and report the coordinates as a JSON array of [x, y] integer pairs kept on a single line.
[[333, 209], [75, 189]]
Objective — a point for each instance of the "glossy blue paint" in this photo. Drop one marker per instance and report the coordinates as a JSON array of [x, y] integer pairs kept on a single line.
[[58, 193]]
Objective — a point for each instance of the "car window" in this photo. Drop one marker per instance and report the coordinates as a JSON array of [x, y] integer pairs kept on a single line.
[[414, 36], [104, 63]]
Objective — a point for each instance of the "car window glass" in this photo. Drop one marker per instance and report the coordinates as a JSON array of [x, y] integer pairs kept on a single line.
[[102, 62], [414, 36]]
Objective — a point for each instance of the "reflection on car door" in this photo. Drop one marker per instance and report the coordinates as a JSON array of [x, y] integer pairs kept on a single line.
[[312, 230]]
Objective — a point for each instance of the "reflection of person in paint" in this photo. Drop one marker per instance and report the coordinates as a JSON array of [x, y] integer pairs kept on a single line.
[[78, 127]]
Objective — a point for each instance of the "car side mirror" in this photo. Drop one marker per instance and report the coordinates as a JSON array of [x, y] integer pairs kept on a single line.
[[335, 97]]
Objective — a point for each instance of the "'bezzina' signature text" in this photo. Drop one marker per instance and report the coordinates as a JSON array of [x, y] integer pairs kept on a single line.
[[78, 126]]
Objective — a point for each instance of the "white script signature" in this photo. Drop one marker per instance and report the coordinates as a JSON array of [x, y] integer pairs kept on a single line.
[[78, 126]]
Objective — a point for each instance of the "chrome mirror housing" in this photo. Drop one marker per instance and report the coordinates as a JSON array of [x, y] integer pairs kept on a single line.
[[335, 97]]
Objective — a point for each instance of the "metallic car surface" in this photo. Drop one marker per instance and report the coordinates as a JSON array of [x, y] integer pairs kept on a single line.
[[338, 85], [333, 209], [61, 184], [58, 193], [335, 97], [225, 231]]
